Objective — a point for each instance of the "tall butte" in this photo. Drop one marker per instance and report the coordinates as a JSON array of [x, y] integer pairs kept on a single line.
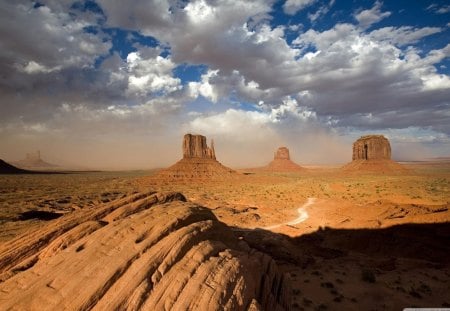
[[372, 153], [198, 162], [282, 162]]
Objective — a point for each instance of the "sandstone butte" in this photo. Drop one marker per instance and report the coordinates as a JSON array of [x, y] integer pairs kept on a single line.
[[282, 162], [33, 160], [198, 162], [372, 153], [145, 251]]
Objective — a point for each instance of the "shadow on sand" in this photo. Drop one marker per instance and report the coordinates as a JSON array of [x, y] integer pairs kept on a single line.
[[427, 242]]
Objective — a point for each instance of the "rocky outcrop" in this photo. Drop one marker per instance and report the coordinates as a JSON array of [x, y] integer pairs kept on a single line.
[[198, 162], [6, 168], [372, 147], [146, 251], [282, 162], [372, 153]]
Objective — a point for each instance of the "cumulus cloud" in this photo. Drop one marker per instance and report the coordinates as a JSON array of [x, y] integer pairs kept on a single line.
[[66, 42], [204, 88], [150, 74]]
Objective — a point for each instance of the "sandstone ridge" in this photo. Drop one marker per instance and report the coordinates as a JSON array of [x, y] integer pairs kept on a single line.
[[282, 162], [146, 251], [372, 153], [198, 162], [6, 168]]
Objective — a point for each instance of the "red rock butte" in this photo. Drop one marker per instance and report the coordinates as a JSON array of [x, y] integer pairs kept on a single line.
[[198, 162], [282, 162], [372, 153]]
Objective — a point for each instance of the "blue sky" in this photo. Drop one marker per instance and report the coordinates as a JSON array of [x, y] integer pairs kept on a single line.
[[116, 84]]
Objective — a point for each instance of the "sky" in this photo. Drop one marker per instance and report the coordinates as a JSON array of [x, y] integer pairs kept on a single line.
[[116, 84]]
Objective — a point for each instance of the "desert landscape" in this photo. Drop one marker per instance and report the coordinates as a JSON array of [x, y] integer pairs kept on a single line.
[[224, 155], [371, 235]]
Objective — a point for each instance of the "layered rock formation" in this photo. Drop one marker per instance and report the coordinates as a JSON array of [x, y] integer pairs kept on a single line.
[[198, 162], [372, 153], [282, 162], [146, 251]]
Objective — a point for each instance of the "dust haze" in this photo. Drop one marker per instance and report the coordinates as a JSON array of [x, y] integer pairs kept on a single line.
[[125, 152]]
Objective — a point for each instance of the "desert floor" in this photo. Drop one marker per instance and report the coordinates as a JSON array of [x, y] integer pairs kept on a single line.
[[347, 241]]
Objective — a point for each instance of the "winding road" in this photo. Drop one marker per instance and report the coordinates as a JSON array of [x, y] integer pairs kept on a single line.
[[302, 215]]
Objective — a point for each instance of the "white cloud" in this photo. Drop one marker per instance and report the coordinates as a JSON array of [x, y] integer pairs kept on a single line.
[[403, 35], [291, 7], [323, 10], [438, 9], [151, 74], [366, 18], [34, 67], [204, 88], [49, 40]]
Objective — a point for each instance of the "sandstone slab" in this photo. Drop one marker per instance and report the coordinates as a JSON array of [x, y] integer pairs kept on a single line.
[[146, 251]]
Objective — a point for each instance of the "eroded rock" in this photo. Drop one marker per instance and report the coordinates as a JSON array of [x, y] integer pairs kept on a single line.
[[147, 251]]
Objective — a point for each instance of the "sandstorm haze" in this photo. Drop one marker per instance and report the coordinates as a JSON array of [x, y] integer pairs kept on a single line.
[[116, 85]]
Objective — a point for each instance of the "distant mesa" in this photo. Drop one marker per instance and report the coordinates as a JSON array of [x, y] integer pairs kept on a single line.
[[282, 162], [33, 161], [372, 153], [198, 162]]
